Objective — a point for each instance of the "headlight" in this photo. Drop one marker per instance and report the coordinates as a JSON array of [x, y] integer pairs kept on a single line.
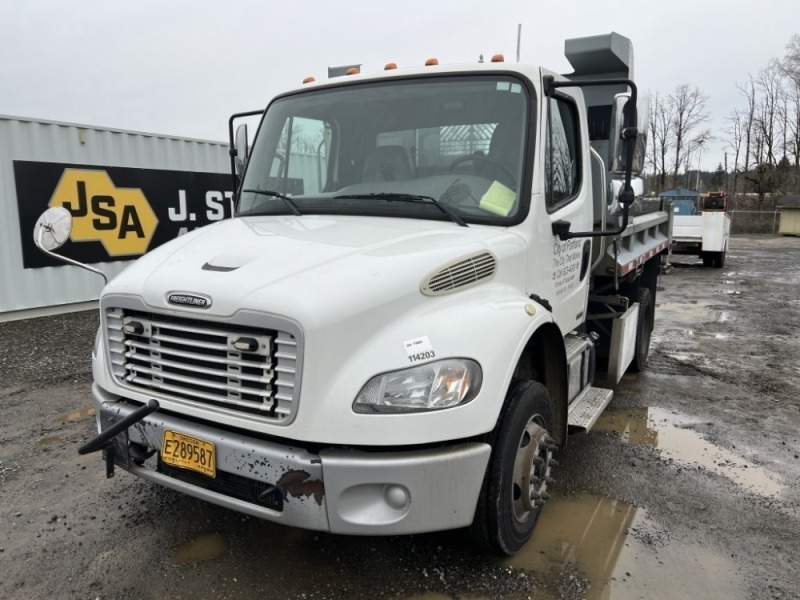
[[431, 386]]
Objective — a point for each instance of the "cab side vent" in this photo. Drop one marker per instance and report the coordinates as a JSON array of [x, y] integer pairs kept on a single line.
[[459, 274]]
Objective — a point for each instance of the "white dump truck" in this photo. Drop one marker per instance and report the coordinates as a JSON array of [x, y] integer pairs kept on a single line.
[[701, 226], [427, 271]]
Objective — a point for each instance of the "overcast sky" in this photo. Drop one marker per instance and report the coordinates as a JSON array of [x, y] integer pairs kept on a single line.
[[182, 67]]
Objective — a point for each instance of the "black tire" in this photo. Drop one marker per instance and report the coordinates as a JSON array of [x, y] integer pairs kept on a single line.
[[715, 260], [644, 327], [515, 486]]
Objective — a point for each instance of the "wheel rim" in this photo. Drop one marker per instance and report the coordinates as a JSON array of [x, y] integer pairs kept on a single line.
[[531, 470]]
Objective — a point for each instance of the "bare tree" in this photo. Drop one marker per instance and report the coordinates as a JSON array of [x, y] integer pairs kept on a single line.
[[736, 128], [770, 86], [660, 126], [748, 90], [790, 67], [766, 100], [689, 112], [766, 134], [792, 132]]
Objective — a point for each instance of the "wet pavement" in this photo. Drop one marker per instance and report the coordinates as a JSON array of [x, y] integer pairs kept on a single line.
[[686, 488]]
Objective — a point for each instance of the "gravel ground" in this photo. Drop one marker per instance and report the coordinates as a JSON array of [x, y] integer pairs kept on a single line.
[[687, 487], [47, 350]]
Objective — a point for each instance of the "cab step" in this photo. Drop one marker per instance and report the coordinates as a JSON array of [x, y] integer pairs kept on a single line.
[[584, 411]]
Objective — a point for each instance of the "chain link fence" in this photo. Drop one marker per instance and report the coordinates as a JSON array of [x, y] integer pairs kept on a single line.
[[755, 221], [742, 221]]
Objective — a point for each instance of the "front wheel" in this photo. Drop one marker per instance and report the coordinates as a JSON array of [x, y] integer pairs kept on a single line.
[[515, 487]]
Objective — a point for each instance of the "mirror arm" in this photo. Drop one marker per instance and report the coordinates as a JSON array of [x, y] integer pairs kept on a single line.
[[69, 261], [629, 133]]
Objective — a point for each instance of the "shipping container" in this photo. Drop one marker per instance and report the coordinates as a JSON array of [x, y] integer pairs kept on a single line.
[[128, 192]]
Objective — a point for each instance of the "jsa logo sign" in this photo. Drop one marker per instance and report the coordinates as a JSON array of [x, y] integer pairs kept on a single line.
[[119, 218]]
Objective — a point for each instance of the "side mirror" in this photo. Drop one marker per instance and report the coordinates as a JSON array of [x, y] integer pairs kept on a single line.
[[617, 139], [52, 230], [241, 148]]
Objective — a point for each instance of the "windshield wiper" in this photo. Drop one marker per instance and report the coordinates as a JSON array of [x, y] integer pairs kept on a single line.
[[419, 198], [286, 199]]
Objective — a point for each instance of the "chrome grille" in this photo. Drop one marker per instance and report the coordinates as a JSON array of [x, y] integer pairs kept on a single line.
[[460, 274], [234, 366]]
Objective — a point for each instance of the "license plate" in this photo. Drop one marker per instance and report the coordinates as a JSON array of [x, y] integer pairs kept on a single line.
[[187, 452]]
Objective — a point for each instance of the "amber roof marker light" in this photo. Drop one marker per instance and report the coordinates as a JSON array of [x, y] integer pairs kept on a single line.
[[431, 62]]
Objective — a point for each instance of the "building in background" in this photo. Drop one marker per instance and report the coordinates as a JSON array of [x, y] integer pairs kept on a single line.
[[790, 214], [128, 192]]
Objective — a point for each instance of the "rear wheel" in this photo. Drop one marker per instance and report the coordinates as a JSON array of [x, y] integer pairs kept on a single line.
[[714, 259], [644, 327], [515, 487]]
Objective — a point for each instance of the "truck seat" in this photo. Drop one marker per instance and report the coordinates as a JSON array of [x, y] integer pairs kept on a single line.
[[388, 163], [505, 146]]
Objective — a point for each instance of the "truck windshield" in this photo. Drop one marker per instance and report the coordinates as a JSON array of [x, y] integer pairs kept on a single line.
[[377, 148]]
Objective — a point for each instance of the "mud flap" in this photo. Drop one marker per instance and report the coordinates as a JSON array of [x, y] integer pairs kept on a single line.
[[623, 343]]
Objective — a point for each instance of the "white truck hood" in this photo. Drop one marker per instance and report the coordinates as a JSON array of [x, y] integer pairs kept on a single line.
[[308, 268]]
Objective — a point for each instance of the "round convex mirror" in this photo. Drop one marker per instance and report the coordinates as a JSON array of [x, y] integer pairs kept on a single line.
[[52, 229]]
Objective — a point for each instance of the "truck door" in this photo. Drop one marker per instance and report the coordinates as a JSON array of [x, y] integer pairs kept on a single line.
[[561, 268]]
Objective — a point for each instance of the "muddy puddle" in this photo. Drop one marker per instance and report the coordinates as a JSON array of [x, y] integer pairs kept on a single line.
[[438, 596], [205, 547], [693, 312], [706, 334], [720, 316], [671, 434], [51, 440], [76, 415], [621, 553], [677, 312]]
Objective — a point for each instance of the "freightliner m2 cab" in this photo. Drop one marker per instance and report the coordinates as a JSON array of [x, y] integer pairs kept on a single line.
[[427, 273]]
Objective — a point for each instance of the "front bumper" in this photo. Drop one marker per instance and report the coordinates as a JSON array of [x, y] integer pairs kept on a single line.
[[336, 489]]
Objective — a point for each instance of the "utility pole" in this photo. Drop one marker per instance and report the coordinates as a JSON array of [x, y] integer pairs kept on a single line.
[[688, 163], [727, 182], [519, 36], [699, 155]]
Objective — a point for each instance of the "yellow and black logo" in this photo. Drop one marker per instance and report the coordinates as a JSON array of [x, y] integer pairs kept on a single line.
[[119, 218]]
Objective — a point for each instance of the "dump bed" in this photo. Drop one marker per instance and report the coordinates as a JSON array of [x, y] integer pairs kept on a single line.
[[645, 237], [710, 230]]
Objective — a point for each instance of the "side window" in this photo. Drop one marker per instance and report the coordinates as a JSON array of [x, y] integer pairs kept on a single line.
[[303, 169], [562, 174]]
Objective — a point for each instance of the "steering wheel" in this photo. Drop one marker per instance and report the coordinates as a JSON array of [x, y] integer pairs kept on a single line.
[[499, 169]]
